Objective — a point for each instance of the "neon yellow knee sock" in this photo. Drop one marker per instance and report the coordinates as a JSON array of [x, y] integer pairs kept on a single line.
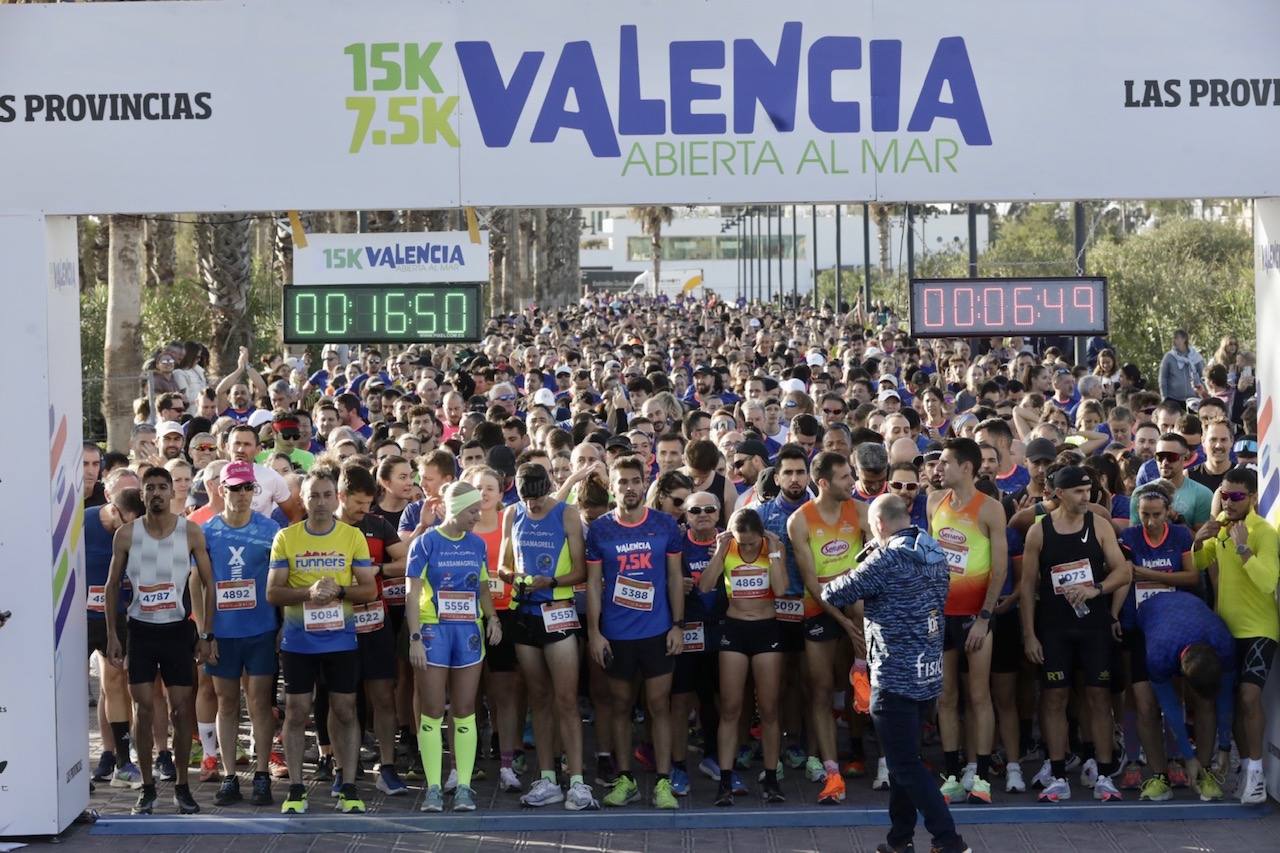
[[464, 745], [431, 748]]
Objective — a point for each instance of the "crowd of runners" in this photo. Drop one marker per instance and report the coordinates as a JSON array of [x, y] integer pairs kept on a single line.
[[588, 554]]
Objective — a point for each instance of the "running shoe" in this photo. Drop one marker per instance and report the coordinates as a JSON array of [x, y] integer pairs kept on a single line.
[[209, 771], [1013, 781], [1156, 789], [184, 801], [389, 781], [1178, 775], [793, 757], [349, 801], [813, 769], [771, 793], [433, 799], [261, 794], [860, 681], [1208, 786], [464, 799], [544, 792], [736, 783], [724, 796], [952, 790], [1073, 762], [854, 768], [106, 767], [886, 847], [1253, 789], [146, 800], [128, 776], [1043, 778], [277, 766], [745, 756], [519, 763], [709, 768], [606, 773], [980, 792], [580, 798], [324, 769], [228, 792], [643, 755], [881, 782], [679, 782], [833, 791], [335, 790], [625, 791], [1089, 773], [1106, 791], [295, 802], [1131, 779], [1055, 792], [508, 781], [779, 773], [164, 767], [663, 796], [967, 777]]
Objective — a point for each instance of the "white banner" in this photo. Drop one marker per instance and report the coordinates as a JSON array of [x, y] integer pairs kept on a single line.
[[328, 104], [446, 256]]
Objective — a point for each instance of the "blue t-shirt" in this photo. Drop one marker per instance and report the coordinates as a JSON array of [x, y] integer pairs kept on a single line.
[[97, 562], [774, 514], [920, 511], [447, 565], [240, 554], [1015, 543], [541, 550], [1162, 556], [320, 379], [698, 606], [1120, 506], [1172, 621], [238, 417], [634, 567], [1012, 482]]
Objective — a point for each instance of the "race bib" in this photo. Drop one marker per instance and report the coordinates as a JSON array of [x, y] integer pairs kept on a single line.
[[96, 599], [749, 582], [457, 606], [394, 590], [789, 609], [496, 587], [157, 598], [560, 616], [633, 594], [236, 595], [695, 637], [1075, 573], [1144, 590], [323, 617], [369, 617], [957, 557]]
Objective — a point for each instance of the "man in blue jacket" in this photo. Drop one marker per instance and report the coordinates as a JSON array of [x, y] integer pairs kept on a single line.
[[902, 580]]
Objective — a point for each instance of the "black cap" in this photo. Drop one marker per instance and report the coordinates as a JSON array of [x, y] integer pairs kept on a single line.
[[704, 368], [1041, 450], [932, 451], [502, 460], [754, 447], [619, 442], [532, 481], [1072, 476]]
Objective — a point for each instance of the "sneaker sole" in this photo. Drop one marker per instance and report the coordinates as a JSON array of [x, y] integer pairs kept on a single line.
[[292, 810], [464, 808], [389, 791], [432, 809], [588, 807], [634, 798], [228, 802], [541, 804]]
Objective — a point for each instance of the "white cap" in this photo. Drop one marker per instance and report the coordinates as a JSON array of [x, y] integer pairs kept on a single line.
[[754, 322], [872, 352], [887, 393], [815, 359], [168, 428], [544, 397], [788, 385], [259, 417]]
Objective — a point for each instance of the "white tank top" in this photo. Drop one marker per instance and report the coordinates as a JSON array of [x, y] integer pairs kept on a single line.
[[159, 570]]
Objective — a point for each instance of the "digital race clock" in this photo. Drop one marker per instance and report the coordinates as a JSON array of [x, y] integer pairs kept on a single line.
[[980, 307], [382, 313]]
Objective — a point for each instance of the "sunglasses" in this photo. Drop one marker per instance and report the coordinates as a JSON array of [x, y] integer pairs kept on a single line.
[[178, 409], [241, 487], [738, 463], [836, 412], [290, 434], [701, 510], [204, 448], [675, 501], [506, 398], [909, 487], [790, 404], [1168, 456], [1234, 496]]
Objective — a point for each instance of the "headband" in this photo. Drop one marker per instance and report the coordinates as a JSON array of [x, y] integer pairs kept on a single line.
[[456, 503]]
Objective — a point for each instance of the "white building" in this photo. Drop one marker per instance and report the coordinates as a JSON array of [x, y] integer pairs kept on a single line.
[[698, 241]]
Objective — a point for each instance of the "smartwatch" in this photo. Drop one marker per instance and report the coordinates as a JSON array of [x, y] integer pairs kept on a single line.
[[342, 593], [415, 637], [680, 624], [207, 637], [984, 614]]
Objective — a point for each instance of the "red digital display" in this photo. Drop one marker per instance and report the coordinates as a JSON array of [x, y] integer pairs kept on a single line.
[[978, 307]]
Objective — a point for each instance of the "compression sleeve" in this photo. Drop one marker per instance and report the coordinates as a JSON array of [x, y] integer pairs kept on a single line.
[[1171, 707]]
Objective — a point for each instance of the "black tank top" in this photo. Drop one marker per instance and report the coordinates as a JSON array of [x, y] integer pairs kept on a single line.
[[718, 483], [1067, 559]]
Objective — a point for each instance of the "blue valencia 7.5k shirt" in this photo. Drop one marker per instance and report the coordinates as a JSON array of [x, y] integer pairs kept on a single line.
[[633, 563], [903, 586]]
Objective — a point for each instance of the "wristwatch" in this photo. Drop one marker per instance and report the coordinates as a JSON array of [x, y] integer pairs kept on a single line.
[[984, 614], [775, 555], [555, 582], [415, 637], [206, 637], [680, 624], [1241, 550], [342, 593]]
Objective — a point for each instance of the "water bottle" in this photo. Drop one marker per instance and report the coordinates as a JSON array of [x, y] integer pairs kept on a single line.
[[1081, 609]]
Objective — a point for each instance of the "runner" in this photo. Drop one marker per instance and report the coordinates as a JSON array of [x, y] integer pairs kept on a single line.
[[635, 620], [239, 542], [1073, 565], [156, 552], [543, 558], [749, 562], [320, 569], [970, 528], [827, 532], [448, 598]]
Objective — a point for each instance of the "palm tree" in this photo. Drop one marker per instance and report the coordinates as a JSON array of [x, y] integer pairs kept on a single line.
[[162, 251], [224, 246], [651, 220], [123, 351], [564, 238]]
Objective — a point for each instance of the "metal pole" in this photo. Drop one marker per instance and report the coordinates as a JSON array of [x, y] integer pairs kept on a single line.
[[973, 240], [768, 251], [1081, 236], [839, 263], [866, 261], [781, 255], [737, 257], [813, 217], [795, 263], [760, 249], [750, 250], [911, 245]]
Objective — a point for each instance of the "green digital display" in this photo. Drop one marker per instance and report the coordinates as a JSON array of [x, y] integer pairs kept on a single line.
[[383, 313]]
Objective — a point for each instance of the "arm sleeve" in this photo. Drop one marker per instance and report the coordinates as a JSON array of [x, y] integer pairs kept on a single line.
[[1174, 721], [868, 579]]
